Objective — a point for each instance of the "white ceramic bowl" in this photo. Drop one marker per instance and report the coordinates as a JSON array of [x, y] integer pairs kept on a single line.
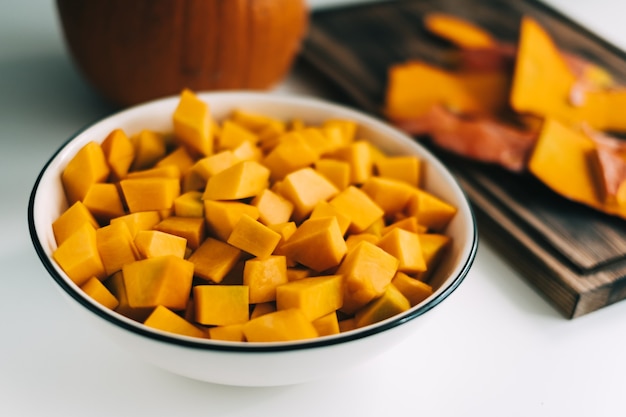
[[249, 364]]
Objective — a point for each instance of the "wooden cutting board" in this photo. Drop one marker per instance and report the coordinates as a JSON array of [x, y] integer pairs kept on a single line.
[[573, 255]]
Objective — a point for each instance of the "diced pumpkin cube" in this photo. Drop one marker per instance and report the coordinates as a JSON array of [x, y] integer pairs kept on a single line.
[[389, 194], [336, 171], [430, 210], [149, 194], [279, 326], [180, 158], [153, 243], [433, 245], [358, 207], [254, 122], [78, 255], [247, 151], [72, 219], [368, 271], [408, 223], [324, 209], [317, 141], [221, 305], [116, 247], [167, 171], [263, 276], [404, 168], [242, 180], [222, 216], [273, 208], [305, 188], [358, 155], [327, 325], [291, 154], [149, 149], [348, 128], [406, 247], [103, 200], [317, 244], [355, 238], [87, 167], [214, 259], [233, 134], [119, 153], [270, 134], [193, 124], [192, 229], [189, 204], [260, 309], [391, 302], [314, 296], [141, 220], [162, 318], [196, 178], [165, 280], [285, 230], [231, 333], [413, 289], [115, 284], [253, 237], [94, 288]]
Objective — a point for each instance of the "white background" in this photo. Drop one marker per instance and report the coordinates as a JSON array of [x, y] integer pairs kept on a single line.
[[495, 348]]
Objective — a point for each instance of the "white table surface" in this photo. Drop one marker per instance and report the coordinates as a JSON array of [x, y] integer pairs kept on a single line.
[[495, 348]]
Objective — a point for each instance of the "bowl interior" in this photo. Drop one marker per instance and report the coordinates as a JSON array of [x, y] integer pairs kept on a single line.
[[48, 201]]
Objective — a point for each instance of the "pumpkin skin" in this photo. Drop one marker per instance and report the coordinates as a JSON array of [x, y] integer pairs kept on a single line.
[[137, 50]]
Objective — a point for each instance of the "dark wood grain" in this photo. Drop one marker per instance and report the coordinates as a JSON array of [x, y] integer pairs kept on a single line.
[[574, 255]]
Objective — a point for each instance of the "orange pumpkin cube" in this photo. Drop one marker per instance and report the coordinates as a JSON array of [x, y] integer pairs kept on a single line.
[[358, 155], [391, 302], [389, 194], [291, 154], [336, 171], [253, 237], [221, 305], [71, 220], [180, 157], [153, 243], [87, 167], [162, 318], [189, 204], [150, 194], [305, 188], [242, 180], [327, 325], [78, 255], [214, 259], [104, 201], [231, 333], [149, 149], [279, 326], [368, 271], [355, 204], [232, 134], [406, 247], [192, 229], [141, 220], [263, 276], [413, 289], [119, 153], [430, 210], [222, 216], [164, 280], [406, 168], [94, 288], [314, 296], [193, 124], [317, 244], [116, 246], [273, 208]]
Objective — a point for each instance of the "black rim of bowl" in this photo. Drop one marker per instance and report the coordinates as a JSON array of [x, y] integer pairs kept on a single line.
[[141, 330]]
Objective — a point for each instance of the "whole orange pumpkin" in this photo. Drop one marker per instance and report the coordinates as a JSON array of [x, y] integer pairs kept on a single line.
[[136, 50]]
